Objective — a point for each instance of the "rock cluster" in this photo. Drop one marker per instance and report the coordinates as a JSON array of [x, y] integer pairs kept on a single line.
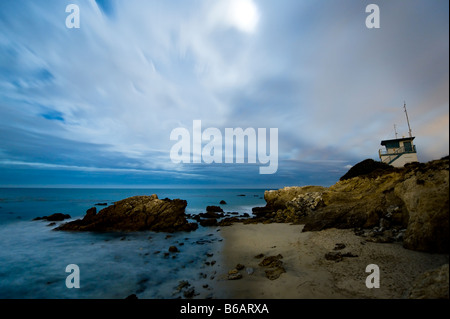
[[409, 204], [136, 213]]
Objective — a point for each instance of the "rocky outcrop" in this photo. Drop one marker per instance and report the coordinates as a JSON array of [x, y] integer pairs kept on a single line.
[[136, 213], [385, 200]]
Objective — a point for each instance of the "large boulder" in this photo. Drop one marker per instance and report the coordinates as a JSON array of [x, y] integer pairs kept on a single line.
[[136, 213], [425, 194]]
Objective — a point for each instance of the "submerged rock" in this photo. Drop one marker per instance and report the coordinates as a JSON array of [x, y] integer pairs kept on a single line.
[[136, 213], [54, 217]]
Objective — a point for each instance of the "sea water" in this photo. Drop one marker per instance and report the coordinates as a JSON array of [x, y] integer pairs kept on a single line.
[[33, 256]]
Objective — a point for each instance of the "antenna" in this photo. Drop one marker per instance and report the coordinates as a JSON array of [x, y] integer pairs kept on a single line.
[[395, 130], [409, 127]]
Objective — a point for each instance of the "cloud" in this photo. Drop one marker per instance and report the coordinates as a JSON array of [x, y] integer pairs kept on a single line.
[[108, 95]]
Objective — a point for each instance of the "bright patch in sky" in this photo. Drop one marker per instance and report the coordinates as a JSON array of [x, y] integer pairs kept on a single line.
[[243, 14]]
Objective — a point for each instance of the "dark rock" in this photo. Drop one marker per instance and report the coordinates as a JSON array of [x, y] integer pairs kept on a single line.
[[101, 204], [54, 217], [211, 214], [132, 297], [136, 213], [336, 256], [339, 246], [273, 274], [173, 249], [222, 202], [208, 222], [242, 195], [368, 166], [272, 261], [259, 256], [240, 266], [214, 209]]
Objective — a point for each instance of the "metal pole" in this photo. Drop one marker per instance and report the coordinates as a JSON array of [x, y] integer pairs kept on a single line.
[[409, 127]]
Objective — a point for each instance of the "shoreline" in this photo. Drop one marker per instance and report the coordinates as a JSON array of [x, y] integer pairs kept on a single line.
[[308, 274]]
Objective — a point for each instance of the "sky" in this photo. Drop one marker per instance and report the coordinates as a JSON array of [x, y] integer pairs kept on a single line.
[[95, 106]]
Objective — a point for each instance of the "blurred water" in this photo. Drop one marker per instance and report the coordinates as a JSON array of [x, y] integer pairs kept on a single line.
[[33, 256]]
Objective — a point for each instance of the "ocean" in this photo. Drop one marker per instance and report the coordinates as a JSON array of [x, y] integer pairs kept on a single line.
[[34, 257]]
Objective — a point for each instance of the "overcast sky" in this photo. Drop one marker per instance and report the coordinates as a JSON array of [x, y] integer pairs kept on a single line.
[[95, 106]]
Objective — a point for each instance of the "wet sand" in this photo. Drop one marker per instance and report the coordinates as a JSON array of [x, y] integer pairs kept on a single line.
[[309, 275]]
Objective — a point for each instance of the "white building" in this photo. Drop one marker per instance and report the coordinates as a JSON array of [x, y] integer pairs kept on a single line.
[[398, 152]]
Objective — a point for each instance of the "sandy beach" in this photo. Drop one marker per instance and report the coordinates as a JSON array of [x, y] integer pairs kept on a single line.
[[308, 273]]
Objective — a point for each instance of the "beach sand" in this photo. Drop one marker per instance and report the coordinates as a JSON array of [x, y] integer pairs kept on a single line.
[[308, 273]]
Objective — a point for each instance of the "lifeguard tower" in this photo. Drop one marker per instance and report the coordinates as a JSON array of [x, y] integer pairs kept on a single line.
[[399, 151]]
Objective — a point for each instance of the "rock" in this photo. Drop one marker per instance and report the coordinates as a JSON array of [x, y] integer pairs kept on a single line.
[[414, 197], [433, 284], [235, 276], [136, 213], [131, 297], [250, 270], [222, 202], [240, 266], [208, 222], [368, 166], [259, 256], [339, 246], [101, 204], [214, 209], [173, 249], [189, 293], [211, 215], [332, 255], [272, 261], [428, 207], [273, 274], [54, 217]]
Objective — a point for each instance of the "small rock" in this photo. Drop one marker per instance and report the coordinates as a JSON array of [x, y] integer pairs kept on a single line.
[[233, 271], [173, 249], [240, 266], [222, 202], [234, 276], [339, 246], [189, 293], [336, 256], [250, 271], [259, 256]]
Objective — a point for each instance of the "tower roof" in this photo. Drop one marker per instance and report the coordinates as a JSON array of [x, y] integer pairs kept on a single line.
[[385, 142]]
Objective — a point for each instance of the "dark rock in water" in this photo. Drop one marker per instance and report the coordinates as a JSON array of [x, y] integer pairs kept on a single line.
[[222, 202], [215, 209], [211, 214], [54, 217], [132, 297], [228, 221], [242, 195], [208, 222], [173, 249], [136, 213], [101, 204]]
